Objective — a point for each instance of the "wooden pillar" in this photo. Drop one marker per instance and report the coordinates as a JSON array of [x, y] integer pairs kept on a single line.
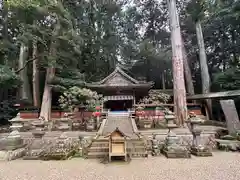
[[110, 149], [125, 148]]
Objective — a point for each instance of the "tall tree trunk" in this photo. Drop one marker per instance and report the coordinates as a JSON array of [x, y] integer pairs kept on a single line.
[[177, 61], [163, 80], [35, 76], [5, 27], [233, 39], [25, 88], [187, 72], [50, 73], [203, 64], [47, 95]]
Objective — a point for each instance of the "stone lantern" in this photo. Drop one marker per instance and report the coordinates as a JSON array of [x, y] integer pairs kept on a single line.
[[170, 119], [65, 122], [172, 147], [38, 125], [13, 146], [197, 148], [155, 146], [14, 139], [36, 147], [16, 123]]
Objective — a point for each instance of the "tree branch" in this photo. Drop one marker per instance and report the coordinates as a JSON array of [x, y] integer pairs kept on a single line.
[[25, 65]]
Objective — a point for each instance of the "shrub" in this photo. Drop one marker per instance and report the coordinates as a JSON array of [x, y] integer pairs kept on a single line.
[[76, 96], [155, 97]]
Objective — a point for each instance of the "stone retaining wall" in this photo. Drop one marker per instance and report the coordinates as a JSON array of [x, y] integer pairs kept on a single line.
[[208, 137]]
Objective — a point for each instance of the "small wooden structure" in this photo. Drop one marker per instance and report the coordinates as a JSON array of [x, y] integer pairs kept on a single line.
[[117, 144]]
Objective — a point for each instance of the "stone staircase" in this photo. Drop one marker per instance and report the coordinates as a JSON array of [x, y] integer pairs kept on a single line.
[[100, 146]]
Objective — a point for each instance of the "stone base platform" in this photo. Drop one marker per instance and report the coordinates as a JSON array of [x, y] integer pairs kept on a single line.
[[31, 158], [170, 154], [12, 154], [201, 153]]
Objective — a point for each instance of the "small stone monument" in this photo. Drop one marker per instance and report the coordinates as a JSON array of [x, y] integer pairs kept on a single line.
[[156, 151], [16, 123], [170, 119], [197, 149], [172, 147], [36, 148], [13, 147], [61, 150], [38, 125], [64, 123], [90, 124]]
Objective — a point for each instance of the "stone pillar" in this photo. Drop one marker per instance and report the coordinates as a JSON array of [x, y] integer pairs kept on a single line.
[[196, 137]]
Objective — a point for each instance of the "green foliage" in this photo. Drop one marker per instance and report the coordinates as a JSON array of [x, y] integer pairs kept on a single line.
[[8, 78], [7, 111], [155, 97], [228, 80], [94, 36], [197, 9], [76, 96]]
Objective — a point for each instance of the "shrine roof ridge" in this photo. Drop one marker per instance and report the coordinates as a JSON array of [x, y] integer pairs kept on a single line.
[[119, 71]]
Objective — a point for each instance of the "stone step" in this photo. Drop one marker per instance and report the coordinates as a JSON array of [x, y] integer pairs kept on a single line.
[[98, 149], [100, 154], [93, 155], [118, 114], [101, 140], [100, 145], [137, 150]]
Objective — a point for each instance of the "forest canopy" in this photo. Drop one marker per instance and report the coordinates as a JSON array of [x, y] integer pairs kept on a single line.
[[58, 44]]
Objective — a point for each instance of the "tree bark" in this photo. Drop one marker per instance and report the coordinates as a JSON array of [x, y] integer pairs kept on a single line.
[[47, 95], [163, 80], [50, 73], [203, 64], [35, 76], [187, 72], [177, 61], [5, 27], [25, 88]]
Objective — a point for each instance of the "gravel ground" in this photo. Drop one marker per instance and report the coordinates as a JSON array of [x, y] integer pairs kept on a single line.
[[222, 166]]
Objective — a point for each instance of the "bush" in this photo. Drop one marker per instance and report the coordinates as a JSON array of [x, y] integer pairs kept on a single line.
[[155, 97], [8, 78], [76, 96], [7, 111]]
